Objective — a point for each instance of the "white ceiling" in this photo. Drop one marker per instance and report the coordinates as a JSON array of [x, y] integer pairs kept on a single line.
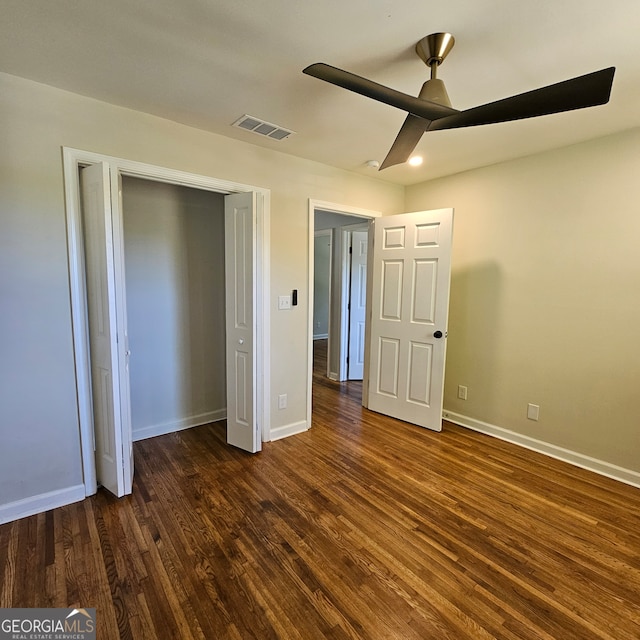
[[207, 62]]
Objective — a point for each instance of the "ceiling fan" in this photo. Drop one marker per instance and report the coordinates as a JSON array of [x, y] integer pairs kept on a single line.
[[432, 110]]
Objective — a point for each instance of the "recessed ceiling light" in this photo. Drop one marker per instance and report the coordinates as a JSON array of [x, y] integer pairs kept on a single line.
[[415, 161]]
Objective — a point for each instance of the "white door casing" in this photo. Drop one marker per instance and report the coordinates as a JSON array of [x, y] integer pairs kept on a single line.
[[409, 309], [365, 215], [240, 261], [114, 464], [357, 304], [74, 160]]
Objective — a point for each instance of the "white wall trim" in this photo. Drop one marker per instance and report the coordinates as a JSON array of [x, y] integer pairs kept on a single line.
[[42, 502], [289, 430], [577, 459], [73, 160], [189, 422]]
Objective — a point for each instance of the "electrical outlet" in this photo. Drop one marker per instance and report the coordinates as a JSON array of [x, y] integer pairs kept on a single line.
[[462, 392], [533, 411], [282, 401]]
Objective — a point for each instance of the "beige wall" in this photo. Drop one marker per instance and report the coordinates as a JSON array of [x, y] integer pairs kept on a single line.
[[544, 305], [40, 449], [545, 296], [174, 278]]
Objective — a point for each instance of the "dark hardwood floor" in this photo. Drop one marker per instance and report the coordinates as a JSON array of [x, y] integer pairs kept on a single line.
[[363, 527]]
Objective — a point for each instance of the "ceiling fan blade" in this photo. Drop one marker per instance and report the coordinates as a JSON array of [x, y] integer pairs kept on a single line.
[[422, 108], [406, 141], [584, 91]]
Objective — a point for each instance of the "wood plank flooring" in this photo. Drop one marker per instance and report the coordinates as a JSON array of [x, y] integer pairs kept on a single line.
[[363, 527]]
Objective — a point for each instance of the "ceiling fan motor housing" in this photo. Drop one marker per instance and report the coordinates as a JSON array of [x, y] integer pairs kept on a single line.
[[434, 48], [435, 91]]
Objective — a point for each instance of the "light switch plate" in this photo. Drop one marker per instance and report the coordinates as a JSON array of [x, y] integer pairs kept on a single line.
[[284, 302]]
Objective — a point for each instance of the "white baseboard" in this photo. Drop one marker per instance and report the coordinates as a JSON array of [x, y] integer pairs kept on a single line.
[[320, 336], [577, 459], [289, 430], [178, 425], [42, 502]]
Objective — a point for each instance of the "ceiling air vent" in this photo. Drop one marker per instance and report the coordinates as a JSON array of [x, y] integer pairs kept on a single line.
[[249, 123]]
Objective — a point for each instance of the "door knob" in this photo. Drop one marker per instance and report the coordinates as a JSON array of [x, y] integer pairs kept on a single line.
[[437, 334], [241, 341]]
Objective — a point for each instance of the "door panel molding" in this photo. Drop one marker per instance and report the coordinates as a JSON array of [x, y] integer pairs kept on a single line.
[[411, 265], [108, 386], [346, 233], [240, 213], [357, 304]]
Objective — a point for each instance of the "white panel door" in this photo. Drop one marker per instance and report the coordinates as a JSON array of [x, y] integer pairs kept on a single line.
[[114, 468], [357, 304], [410, 303], [240, 265]]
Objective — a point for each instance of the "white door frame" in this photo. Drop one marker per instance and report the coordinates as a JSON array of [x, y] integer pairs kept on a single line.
[[73, 160], [332, 207]]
